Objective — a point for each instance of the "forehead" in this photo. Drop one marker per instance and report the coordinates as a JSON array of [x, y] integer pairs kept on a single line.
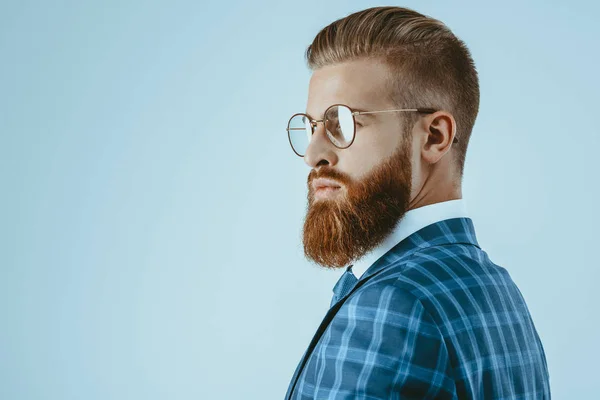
[[360, 84]]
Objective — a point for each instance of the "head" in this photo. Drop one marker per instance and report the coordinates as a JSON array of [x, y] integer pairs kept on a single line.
[[385, 58]]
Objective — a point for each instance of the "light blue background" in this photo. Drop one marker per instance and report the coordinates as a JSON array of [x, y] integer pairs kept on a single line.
[[151, 207]]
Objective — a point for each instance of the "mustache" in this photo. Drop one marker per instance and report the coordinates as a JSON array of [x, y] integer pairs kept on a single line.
[[328, 173]]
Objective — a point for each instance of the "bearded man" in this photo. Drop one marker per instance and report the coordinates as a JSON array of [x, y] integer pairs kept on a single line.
[[420, 311]]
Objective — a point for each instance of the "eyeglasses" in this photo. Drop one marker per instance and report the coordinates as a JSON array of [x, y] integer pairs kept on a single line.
[[340, 126]]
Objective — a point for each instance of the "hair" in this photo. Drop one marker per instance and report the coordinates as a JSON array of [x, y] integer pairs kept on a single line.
[[429, 66]]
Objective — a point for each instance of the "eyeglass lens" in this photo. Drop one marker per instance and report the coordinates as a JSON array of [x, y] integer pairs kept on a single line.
[[339, 126]]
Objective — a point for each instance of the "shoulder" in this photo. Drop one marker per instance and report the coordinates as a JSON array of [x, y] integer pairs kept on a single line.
[[442, 268], [445, 280]]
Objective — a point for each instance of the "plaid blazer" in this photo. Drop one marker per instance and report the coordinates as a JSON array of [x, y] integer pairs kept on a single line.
[[433, 318]]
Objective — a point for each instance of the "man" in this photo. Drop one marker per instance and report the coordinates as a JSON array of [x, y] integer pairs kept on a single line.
[[420, 311]]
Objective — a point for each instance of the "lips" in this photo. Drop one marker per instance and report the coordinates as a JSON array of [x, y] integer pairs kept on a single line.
[[322, 183]]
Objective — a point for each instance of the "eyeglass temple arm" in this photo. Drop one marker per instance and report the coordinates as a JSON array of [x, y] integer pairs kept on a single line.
[[423, 110]]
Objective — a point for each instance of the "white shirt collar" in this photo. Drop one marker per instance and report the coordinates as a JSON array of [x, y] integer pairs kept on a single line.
[[412, 221]]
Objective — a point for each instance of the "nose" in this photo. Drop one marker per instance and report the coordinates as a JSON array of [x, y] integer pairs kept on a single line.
[[320, 149]]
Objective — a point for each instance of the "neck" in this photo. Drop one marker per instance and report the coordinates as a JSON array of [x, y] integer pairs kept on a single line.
[[435, 191]]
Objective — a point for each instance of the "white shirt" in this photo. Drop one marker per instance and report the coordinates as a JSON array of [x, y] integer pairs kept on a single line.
[[412, 221]]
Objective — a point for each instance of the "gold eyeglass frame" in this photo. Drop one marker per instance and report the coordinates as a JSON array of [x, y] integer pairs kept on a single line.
[[313, 122]]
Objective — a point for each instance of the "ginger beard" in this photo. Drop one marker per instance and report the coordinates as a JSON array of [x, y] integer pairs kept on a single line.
[[342, 228]]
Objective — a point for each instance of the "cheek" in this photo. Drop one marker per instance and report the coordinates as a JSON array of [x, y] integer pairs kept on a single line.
[[369, 149], [359, 161], [355, 165], [381, 139]]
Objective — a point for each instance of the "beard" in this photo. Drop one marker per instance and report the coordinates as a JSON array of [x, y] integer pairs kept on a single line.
[[361, 214]]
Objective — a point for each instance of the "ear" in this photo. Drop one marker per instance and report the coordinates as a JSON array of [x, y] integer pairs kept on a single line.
[[440, 129]]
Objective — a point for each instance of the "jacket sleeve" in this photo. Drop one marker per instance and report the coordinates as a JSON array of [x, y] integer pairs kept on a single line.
[[389, 347]]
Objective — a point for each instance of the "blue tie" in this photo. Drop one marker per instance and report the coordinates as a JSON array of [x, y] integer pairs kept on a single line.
[[343, 286]]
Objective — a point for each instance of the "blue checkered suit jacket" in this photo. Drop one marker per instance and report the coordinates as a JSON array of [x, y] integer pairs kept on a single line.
[[433, 318]]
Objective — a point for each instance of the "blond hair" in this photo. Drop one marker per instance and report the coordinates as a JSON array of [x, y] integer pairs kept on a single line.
[[430, 67]]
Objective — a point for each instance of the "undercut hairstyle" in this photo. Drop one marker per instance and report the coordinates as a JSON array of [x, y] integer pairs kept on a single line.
[[429, 66]]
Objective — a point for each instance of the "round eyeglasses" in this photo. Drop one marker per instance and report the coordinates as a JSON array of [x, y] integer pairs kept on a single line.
[[340, 126]]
